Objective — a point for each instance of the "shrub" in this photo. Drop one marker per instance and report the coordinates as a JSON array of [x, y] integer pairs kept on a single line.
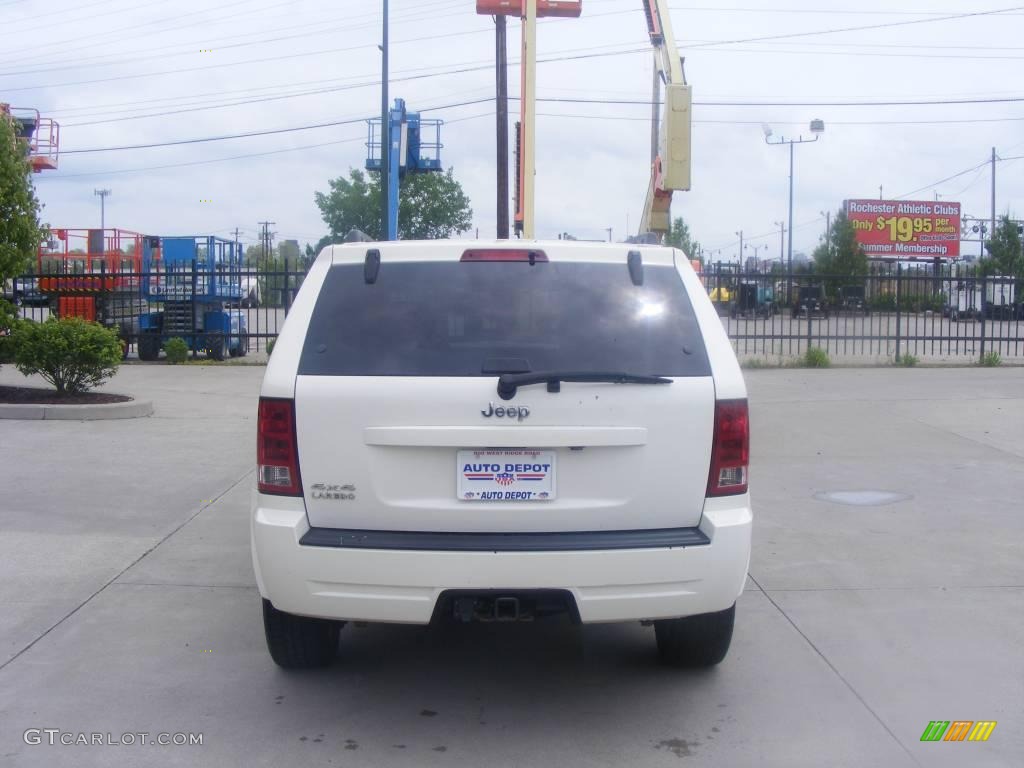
[[270, 345], [8, 319], [176, 350], [816, 357], [991, 359], [72, 354], [909, 361]]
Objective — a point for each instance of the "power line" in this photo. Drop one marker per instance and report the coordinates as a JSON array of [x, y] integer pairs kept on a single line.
[[887, 25], [810, 11], [162, 30], [190, 48], [871, 54], [208, 161], [565, 100], [136, 76], [267, 132], [66, 19], [943, 181]]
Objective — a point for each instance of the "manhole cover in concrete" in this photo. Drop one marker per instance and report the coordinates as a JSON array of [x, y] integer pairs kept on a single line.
[[862, 498]]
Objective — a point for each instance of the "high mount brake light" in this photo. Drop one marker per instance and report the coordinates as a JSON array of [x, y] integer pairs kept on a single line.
[[730, 452], [277, 454], [504, 254]]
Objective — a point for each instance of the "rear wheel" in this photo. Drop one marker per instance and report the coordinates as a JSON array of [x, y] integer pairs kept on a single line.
[[695, 641], [149, 346], [298, 642], [216, 348]]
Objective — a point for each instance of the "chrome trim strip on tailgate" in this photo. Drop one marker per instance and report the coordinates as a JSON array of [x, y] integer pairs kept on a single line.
[[556, 541], [511, 436]]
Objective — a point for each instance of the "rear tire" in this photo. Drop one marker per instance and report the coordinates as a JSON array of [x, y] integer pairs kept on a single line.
[[149, 347], [298, 642], [695, 641], [216, 349]]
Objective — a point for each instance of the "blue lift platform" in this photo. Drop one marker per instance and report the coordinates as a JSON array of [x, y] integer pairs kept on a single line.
[[415, 147], [197, 283]]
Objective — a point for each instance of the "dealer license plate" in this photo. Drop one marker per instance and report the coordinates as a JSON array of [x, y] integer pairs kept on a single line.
[[512, 475]]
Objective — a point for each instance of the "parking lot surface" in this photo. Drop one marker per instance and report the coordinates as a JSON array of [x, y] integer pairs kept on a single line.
[[886, 591]]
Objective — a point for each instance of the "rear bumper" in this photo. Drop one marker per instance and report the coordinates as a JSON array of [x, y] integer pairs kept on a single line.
[[402, 585]]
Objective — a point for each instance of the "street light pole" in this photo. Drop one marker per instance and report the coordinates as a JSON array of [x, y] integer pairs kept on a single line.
[[756, 249], [828, 232], [817, 128], [103, 212]]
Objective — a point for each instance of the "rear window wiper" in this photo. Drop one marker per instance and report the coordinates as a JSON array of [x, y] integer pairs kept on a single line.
[[509, 382]]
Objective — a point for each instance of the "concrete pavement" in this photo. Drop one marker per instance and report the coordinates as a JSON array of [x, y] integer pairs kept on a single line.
[[127, 601]]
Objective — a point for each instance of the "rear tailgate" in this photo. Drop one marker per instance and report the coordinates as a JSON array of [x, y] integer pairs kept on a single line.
[[384, 454], [399, 422]]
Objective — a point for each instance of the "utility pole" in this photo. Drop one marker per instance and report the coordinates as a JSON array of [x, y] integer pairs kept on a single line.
[[266, 236], [528, 107], [782, 241], [501, 77], [609, 231], [992, 224], [740, 257], [385, 128], [817, 128], [104, 192]]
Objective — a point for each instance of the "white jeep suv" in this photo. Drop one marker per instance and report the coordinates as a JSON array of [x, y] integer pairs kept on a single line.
[[496, 431]]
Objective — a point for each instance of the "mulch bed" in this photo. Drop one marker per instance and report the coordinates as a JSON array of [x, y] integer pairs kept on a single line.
[[34, 395]]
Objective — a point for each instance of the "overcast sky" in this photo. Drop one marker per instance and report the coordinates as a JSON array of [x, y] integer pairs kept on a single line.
[[117, 73]]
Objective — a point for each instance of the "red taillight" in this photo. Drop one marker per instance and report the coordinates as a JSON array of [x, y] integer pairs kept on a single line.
[[277, 453], [730, 452], [503, 254]]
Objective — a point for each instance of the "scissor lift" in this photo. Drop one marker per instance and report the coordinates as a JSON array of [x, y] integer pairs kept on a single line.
[[197, 285], [94, 274]]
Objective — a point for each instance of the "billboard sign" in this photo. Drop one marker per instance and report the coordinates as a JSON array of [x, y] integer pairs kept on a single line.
[[906, 229]]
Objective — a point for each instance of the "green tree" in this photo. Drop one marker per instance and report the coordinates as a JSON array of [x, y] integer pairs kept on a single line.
[[430, 205], [678, 236], [840, 256], [1004, 250], [20, 231]]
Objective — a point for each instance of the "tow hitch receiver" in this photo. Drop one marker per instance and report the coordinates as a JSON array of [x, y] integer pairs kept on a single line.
[[501, 606], [487, 609]]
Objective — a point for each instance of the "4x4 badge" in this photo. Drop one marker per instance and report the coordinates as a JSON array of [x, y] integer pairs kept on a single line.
[[506, 412], [335, 492]]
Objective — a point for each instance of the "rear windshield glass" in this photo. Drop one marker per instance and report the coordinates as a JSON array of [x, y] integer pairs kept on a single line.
[[487, 318]]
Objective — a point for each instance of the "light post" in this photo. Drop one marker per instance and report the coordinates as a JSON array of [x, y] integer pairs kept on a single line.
[[103, 199], [828, 232], [817, 128], [980, 228], [755, 248]]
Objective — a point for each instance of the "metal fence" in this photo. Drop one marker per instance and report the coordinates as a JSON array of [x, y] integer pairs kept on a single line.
[[116, 299], [929, 311], [932, 312]]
